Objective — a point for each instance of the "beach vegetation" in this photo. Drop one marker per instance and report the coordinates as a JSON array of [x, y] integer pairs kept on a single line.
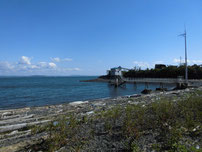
[[164, 125]]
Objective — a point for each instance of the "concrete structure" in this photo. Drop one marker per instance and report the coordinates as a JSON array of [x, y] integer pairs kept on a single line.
[[177, 81], [117, 71]]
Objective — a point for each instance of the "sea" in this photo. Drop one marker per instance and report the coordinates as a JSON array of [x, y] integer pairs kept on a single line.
[[18, 92]]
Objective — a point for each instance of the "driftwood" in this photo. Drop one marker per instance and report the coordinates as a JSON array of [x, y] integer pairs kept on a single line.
[[10, 117], [10, 121], [20, 126], [17, 136], [7, 113], [14, 133], [12, 127]]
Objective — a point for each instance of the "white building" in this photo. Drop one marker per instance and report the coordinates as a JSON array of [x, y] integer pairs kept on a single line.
[[117, 71]]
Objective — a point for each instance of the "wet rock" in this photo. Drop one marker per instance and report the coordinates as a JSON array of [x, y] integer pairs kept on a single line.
[[146, 91]]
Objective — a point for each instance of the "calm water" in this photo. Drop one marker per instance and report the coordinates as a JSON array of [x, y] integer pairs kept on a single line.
[[18, 92]]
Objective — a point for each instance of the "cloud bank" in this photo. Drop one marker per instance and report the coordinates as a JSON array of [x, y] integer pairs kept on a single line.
[[25, 67]]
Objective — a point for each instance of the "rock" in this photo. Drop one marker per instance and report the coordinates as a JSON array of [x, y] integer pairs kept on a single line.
[[146, 91], [59, 111], [14, 132], [161, 89], [129, 101], [99, 104], [135, 103], [135, 95], [77, 103], [90, 112], [197, 147]]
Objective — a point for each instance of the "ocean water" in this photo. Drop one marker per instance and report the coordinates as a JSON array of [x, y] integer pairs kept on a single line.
[[16, 92]]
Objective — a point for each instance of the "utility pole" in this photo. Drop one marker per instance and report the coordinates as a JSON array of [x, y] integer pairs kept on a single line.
[[186, 69]]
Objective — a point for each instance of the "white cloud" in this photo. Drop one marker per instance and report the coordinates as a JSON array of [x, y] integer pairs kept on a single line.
[[189, 61], [197, 61], [25, 60], [25, 67], [77, 69], [52, 65], [42, 64], [176, 60], [141, 64], [57, 59], [6, 66], [70, 69], [34, 67]]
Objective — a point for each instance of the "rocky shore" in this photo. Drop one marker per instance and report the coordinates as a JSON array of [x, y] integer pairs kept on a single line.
[[17, 125]]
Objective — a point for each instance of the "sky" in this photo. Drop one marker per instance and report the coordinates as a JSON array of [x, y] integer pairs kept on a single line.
[[88, 37]]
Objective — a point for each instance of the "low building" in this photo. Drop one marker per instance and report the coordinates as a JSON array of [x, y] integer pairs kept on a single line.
[[160, 66], [117, 71]]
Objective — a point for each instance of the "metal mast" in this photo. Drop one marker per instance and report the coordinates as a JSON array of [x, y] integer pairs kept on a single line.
[[186, 69]]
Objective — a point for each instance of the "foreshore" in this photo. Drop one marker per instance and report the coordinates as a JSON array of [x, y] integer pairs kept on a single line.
[[16, 124]]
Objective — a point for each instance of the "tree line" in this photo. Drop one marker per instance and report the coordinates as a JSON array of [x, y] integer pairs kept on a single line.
[[194, 72]]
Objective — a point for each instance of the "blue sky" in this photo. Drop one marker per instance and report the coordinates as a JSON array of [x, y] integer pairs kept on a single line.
[[87, 37]]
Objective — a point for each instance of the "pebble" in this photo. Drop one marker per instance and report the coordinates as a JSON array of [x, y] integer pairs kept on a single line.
[[90, 112], [13, 132], [129, 101], [197, 147]]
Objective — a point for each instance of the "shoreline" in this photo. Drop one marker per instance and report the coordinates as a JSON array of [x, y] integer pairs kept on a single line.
[[67, 102], [90, 100], [16, 124], [93, 100]]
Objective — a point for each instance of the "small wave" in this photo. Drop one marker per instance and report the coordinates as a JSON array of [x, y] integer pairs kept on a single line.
[[8, 87]]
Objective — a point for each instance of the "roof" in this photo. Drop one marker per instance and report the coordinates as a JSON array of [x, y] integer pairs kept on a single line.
[[119, 68]]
